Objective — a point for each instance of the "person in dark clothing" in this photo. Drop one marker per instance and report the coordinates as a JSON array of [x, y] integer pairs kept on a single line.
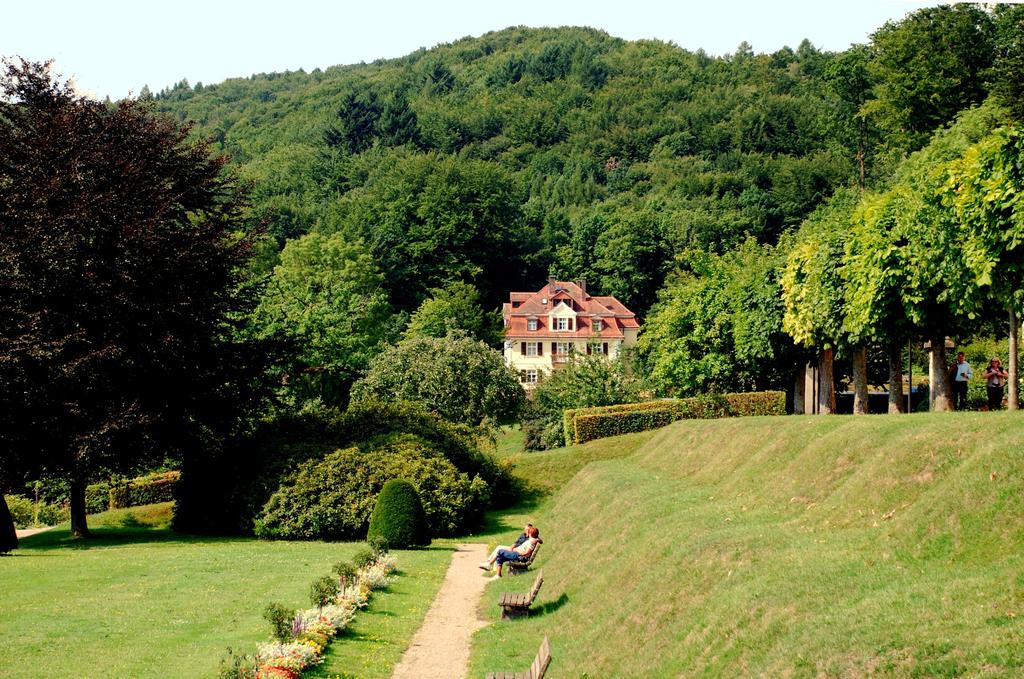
[[995, 380]]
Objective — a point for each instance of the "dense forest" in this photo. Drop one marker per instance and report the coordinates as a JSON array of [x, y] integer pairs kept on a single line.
[[673, 180]]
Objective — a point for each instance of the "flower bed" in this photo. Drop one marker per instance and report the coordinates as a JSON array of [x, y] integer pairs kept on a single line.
[[302, 636]]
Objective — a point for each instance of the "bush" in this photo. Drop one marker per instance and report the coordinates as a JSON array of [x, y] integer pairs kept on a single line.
[[366, 556], [332, 499], [586, 424], [323, 591], [398, 516], [280, 618], [224, 491], [23, 511], [97, 497]]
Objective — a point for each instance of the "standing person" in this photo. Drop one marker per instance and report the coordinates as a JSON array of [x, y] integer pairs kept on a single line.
[[963, 374], [995, 378]]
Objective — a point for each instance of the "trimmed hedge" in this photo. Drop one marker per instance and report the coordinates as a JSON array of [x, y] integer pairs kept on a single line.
[[398, 517], [144, 490], [587, 424]]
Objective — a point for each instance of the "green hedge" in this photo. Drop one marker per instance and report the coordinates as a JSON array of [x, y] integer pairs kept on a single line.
[[586, 424], [144, 490]]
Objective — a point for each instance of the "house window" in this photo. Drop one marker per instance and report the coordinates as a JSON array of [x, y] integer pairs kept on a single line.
[[529, 376], [531, 324], [531, 348], [563, 348], [561, 324], [597, 325]]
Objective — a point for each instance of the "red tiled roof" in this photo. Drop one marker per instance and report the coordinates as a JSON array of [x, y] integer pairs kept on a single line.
[[614, 315]]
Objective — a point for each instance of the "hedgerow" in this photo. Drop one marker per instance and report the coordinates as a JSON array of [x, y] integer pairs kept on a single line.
[[587, 424]]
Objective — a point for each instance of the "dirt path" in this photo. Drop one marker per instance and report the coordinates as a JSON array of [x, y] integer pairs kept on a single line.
[[440, 649], [30, 531]]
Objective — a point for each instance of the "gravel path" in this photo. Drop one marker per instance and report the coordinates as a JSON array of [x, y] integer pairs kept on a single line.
[[440, 649]]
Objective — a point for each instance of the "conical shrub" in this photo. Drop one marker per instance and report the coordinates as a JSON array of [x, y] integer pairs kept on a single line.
[[398, 517]]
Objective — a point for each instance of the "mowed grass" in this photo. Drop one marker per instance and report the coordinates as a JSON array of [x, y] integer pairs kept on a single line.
[[782, 547], [141, 601]]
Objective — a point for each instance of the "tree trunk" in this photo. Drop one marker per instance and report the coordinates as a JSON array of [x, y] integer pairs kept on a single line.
[[1011, 388], [896, 402], [798, 389], [826, 385], [860, 381], [939, 387], [79, 528], [8, 534]]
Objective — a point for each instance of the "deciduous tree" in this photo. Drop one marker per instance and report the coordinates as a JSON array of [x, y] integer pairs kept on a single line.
[[119, 281]]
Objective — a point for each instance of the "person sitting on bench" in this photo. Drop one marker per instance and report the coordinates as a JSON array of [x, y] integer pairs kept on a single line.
[[521, 551]]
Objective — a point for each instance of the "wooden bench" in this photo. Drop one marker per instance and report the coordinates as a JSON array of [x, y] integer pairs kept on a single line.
[[537, 669], [516, 605], [517, 567]]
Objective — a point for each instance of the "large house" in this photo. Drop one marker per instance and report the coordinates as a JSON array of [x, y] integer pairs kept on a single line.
[[543, 328]]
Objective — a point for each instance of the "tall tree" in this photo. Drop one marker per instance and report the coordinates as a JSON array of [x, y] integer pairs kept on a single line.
[[813, 293], [985, 190], [119, 274], [457, 377], [456, 306], [929, 67], [326, 300]]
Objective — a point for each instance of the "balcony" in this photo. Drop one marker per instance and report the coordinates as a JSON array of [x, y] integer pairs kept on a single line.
[[557, 358]]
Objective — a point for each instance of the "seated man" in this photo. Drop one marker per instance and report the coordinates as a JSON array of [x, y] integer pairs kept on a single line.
[[521, 551]]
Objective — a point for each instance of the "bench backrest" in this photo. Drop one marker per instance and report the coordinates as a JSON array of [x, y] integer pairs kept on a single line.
[[541, 662], [536, 586], [533, 554]]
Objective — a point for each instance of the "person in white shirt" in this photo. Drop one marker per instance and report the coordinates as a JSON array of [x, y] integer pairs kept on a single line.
[[962, 375]]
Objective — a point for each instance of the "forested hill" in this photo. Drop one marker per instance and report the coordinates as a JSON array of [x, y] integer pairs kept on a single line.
[[497, 159]]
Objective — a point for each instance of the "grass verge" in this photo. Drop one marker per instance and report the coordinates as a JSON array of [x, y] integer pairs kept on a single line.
[[138, 600]]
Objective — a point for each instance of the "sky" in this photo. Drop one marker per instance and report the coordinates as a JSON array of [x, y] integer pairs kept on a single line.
[[113, 48]]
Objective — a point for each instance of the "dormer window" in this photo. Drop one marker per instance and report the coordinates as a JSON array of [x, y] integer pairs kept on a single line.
[[531, 324], [597, 325], [561, 324]]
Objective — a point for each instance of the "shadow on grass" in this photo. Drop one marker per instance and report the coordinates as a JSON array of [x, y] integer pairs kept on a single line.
[[550, 606], [133, 532]]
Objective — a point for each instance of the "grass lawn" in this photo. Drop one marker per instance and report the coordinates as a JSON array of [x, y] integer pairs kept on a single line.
[[141, 601], [781, 547]]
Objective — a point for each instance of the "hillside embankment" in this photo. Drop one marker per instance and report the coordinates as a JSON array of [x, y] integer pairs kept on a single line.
[[785, 547]]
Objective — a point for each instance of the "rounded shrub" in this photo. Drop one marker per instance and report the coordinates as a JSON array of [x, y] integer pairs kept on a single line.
[[332, 498], [398, 516]]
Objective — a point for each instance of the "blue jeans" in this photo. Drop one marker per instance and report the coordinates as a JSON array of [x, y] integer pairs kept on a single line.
[[506, 555]]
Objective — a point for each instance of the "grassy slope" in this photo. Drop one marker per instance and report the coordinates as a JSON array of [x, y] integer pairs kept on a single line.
[[141, 601], [789, 547]]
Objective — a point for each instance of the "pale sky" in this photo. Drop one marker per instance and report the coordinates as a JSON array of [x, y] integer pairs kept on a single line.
[[116, 47]]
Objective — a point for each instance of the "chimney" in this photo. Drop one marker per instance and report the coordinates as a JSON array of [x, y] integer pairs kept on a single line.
[[583, 286], [551, 285]]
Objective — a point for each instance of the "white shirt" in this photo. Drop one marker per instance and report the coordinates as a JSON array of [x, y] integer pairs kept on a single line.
[[963, 372]]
